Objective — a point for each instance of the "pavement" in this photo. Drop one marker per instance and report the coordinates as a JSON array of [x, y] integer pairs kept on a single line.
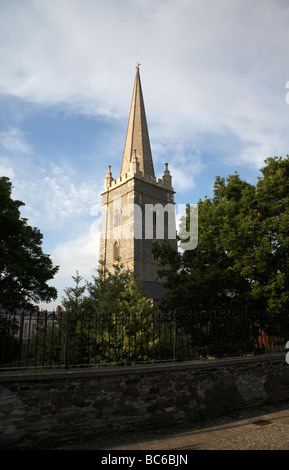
[[268, 431], [259, 430]]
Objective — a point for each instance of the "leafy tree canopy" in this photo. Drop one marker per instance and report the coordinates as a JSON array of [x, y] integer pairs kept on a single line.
[[24, 268], [112, 315], [110, 292], [242, 257]]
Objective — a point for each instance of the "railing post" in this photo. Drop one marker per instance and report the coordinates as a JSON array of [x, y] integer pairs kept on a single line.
[[66, 359], [21, 332]]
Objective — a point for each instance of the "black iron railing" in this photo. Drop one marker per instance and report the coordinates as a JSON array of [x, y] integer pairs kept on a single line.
[[65, 340]]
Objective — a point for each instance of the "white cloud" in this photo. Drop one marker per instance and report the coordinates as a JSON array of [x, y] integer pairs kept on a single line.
[[56, 199], [198, 54], [14, 139], [206, 65], [184, 158], [78, 254], [6, 168]]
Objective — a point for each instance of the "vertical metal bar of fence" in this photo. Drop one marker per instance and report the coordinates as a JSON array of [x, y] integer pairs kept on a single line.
[[186, 338], [118, 352], [59, 322], [95, 337], [36, 339], [73, 324], [282, 333], [248, 331], [171, 344], [122, 338], [11, 347], [88, 339], [175, 339], [52, 340], [3, 347], [2, 358], [181, 343], [163, 337], [135, 337], [159, 336], [129, 336], [67, 342], [171, 333], [147, 336], [256, 343], [3, 355], [102, 337], [114, 338], [80, 350], [141, 337], [44, 338], [28, 331], [153, 338], [109, 330], [21, 338]]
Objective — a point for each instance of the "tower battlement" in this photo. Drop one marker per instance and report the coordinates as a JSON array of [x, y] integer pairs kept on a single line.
[[112, 183]]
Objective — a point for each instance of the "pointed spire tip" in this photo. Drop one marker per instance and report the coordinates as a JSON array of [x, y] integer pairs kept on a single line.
[[137, 137]]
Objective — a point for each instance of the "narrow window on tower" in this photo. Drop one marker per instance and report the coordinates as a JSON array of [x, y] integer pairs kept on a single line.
[[116, 251], [117, 218]]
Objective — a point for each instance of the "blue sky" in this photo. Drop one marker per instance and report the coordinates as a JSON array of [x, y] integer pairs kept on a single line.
[[214, 75]]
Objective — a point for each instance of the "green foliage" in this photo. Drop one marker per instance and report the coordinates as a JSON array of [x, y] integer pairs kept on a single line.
[[113, 322], [242, 257], [48, 341], [9, 343], [126, 315], [24, 268], [73, 301]]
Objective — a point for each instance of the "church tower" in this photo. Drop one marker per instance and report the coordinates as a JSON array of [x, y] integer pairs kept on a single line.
[[137, 207]]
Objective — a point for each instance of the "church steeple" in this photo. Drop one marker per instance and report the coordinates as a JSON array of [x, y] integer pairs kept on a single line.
[[137, 138], [137, 207]]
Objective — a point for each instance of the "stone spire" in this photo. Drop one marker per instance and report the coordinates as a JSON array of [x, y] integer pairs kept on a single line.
[[137, 138]]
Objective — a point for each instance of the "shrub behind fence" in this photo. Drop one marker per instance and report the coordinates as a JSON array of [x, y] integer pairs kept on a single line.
[[63, 340]]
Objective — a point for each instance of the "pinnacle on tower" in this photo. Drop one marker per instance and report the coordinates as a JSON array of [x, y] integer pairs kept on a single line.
[[137, 137]]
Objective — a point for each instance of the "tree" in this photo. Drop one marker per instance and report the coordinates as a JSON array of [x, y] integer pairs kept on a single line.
[[24, 268], [241, 260], [115, 322], [204, 278], [74, 298], [125, 315], [267, 265]]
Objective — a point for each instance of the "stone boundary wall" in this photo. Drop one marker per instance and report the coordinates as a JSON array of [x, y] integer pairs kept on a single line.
[[47, 408]]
